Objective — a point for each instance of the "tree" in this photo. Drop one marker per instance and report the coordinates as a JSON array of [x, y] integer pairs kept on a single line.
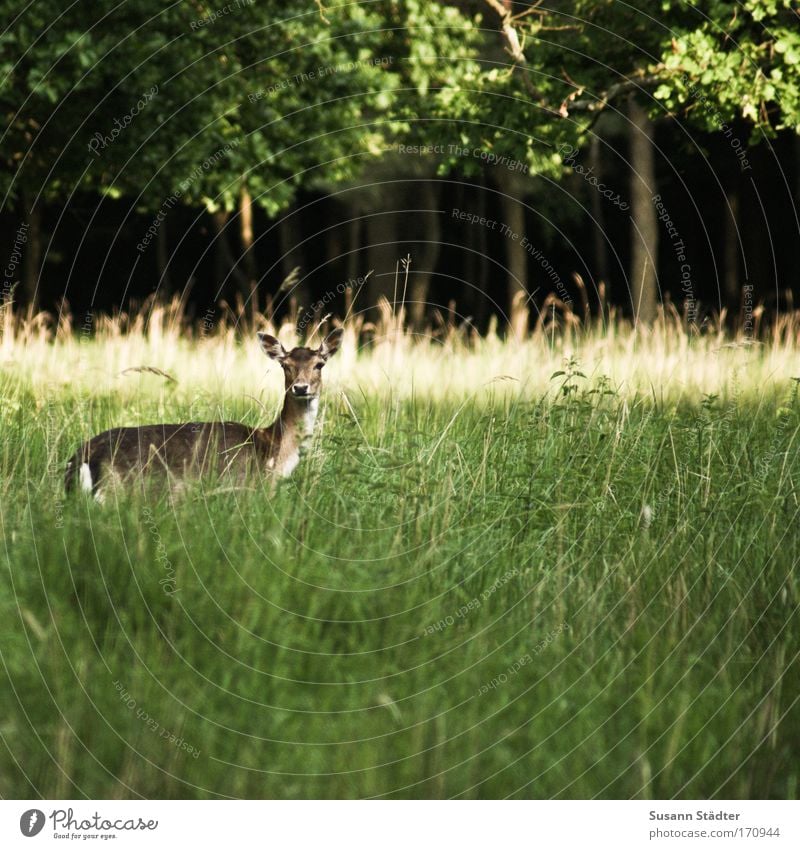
[[644, 222], [708, 64], [186, 105], [432, 47]]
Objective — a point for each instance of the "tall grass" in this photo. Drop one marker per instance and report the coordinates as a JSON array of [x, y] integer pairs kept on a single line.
[[563, 566]]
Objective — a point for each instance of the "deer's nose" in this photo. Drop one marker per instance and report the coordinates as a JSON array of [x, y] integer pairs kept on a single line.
[[299, 389]]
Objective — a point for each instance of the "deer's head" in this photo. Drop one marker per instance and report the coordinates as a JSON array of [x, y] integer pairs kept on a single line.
[[302, 367]]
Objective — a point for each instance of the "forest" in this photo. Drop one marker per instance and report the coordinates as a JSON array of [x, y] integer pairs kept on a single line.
[[257, 155]]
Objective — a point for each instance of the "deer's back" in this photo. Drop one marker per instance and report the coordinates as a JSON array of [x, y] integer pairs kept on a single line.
[[177, 450]]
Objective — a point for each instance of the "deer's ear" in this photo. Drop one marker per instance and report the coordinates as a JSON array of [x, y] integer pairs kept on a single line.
[[271, 346], [330, 344]]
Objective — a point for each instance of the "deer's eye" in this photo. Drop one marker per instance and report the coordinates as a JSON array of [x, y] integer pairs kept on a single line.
[[319, 366]]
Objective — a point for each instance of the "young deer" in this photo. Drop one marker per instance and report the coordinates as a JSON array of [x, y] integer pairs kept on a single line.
[[223, 448]]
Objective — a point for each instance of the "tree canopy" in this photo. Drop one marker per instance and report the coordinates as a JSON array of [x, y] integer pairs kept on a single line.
[[199, 105]]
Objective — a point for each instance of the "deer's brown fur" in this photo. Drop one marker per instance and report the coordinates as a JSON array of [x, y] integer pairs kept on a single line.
[[226, 449]]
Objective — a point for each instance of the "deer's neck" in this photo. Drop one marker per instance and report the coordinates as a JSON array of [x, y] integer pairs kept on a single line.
[[293, 433], [299, 417]]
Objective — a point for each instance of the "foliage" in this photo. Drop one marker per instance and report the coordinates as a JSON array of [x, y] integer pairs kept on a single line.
[[707, 62], [290, 95], [744, 57], [278, 94]]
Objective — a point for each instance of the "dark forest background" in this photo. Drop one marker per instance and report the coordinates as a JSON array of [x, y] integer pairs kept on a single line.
[[321, 138]]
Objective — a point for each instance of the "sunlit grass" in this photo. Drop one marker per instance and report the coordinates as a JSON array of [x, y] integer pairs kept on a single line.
[[101, 355], [627, 525]]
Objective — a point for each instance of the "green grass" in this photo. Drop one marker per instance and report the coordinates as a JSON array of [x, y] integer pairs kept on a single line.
[[360, 632]]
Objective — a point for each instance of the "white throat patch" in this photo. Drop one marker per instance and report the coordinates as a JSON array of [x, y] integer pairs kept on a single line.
[[310, 416], [305, 433]]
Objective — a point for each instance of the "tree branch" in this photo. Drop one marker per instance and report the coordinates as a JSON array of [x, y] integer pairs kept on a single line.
[[597, 104], [504, 10]]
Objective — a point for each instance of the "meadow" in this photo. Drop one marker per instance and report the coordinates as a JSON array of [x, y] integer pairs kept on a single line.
[[558, 567]]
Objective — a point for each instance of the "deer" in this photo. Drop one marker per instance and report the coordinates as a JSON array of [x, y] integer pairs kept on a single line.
[[197, 449]]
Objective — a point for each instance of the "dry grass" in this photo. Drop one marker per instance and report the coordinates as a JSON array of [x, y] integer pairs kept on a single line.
[[671, 360]]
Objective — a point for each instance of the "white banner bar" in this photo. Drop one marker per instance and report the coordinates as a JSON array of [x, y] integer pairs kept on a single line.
[[401, 824]]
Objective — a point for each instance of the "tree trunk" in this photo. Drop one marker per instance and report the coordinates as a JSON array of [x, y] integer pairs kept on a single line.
[[423, 264], [733, 292], [644, 221], [32, 256], [354, 267], [162, 258], [246, 236], [290, 235], [335, 260], [481, 281], [224, 261], [382, 254], [797, 171], [600, 249], [513, 216]]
